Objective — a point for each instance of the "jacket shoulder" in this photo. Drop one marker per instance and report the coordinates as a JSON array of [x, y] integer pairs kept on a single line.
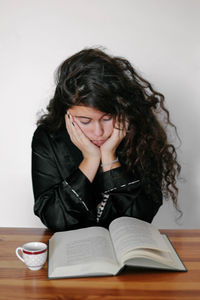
[[43, 132], [41, 141], [44, 138], [40, 134]]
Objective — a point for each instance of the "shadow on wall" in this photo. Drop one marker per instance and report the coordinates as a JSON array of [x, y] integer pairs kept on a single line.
[[187, 120]]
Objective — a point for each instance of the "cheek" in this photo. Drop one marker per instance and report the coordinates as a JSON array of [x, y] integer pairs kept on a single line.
[[109, 128], [85, 129]]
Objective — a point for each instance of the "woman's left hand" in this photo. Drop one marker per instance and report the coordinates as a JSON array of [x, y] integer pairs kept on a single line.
[[108, 149]]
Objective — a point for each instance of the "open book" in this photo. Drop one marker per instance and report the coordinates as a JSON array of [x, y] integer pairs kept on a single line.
[[96, 251]]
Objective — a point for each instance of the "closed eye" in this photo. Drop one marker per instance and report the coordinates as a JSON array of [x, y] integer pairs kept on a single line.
[[84, 120], [107, 118]]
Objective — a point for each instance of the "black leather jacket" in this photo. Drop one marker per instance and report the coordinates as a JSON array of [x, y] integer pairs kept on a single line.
[[64, 197]]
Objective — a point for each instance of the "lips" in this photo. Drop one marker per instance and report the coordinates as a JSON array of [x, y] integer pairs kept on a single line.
[[98, 143]]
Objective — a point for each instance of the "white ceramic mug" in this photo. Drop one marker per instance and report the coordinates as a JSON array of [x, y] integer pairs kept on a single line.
[[34, 255]]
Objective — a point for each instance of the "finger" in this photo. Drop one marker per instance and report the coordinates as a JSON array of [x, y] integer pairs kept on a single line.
[[119, 124], [71, 128], [66, 120], [69, 120], [120, 131], [67, 123], [123, 126], [76, 131]]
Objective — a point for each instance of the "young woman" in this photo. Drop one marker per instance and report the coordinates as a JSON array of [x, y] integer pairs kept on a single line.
[[101, 150]]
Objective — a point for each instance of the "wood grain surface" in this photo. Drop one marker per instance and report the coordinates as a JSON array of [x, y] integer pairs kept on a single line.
[[18, 282]]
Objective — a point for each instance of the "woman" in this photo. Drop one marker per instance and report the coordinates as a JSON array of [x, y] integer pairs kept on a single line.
[[100, 151]]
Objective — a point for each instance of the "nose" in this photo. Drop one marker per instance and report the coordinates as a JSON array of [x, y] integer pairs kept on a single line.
[[98, 129]]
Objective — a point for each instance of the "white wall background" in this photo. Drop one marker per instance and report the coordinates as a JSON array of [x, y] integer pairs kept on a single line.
[[160, 37]]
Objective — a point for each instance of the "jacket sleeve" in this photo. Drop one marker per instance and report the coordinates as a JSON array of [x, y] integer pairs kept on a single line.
[[126, 197], [60, 203]]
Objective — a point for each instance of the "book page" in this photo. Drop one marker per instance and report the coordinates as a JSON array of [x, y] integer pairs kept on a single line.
[[155, 259], [130, 233], [81, 246]]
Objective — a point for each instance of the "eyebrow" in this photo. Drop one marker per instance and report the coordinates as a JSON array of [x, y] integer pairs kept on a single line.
[[83, 117]]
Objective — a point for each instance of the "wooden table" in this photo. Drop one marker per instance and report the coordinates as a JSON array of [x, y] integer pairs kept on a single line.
[[18, 282]]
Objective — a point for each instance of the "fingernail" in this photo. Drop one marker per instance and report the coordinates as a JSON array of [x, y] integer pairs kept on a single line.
[[68, 115], [72, 123]]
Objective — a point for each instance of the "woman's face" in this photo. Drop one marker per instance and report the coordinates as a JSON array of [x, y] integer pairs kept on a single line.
[[96, 125]]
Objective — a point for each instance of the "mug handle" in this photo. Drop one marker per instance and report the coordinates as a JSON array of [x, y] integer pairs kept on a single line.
[[19, 256]]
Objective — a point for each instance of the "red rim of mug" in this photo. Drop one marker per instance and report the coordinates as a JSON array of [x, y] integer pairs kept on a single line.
[[34, 252]]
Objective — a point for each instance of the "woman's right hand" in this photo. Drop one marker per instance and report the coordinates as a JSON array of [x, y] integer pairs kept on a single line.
[[91, 153], [78, 138]]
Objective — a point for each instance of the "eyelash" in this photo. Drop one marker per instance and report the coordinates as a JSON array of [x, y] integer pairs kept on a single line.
[[108, 118], [86, 123]]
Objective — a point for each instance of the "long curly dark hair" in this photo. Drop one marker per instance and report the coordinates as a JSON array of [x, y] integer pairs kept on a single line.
[[111, 84]]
